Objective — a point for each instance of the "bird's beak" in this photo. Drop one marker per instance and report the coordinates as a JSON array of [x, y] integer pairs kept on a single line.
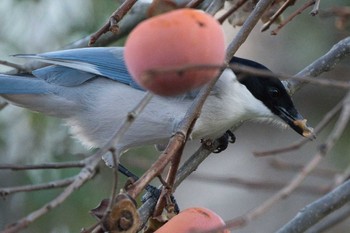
[[296, 121]]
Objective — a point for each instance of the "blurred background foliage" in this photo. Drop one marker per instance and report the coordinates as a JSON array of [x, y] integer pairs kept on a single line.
[[34, 26]]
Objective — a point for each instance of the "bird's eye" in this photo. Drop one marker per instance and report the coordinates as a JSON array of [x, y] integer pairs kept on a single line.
[[274, 92]]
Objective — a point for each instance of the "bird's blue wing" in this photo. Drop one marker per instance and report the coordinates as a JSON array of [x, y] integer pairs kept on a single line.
[[103, 61], [63, 76]]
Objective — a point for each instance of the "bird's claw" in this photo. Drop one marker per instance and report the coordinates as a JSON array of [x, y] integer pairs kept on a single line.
[[154, 193], [224, 140]]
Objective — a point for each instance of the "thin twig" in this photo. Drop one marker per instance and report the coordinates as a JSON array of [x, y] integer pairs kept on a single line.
[[323, 64], [85, 174], [194, 3], [16, 167], [170, 180], [29, 188], [232, 10], [316, 8], [112, 198], [112, 24], [292, 16], [273, 18], [19, 68]]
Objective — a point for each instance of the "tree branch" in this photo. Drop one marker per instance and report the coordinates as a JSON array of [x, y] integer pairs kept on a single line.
[[293, 15], [85, 174], [113, 21], [323, 64], [331, 220], [17, 167], [314, 212], [29, 188]]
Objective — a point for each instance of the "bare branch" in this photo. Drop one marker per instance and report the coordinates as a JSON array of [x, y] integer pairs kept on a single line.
[[316, 7], [29, 188], [273, 18], [194, 3], [112, 24], [331, 220], [191, 164], [232, 10], [16, 167], [85, 174], [19, 68], [323, 64], [214, 6], [314, 212], [293, 15]]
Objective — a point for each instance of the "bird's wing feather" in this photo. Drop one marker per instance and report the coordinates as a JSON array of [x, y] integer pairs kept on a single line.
[[63, 76], [103, 61]]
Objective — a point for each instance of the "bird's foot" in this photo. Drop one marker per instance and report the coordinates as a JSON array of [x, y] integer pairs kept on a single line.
[[152, 192], [224, 140]]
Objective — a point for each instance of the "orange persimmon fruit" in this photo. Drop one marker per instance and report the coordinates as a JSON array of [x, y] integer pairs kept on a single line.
[[174, 40], [193, 219]]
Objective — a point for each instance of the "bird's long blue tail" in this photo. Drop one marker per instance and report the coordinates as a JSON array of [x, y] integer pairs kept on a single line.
[[35, 94], [11, 84]]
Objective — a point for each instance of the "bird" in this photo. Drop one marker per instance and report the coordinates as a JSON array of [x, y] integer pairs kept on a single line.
[[92, 91]]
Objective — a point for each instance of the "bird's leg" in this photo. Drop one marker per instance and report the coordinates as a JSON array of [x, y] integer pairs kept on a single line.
[[126, 172], [224, 140], [149, 188]]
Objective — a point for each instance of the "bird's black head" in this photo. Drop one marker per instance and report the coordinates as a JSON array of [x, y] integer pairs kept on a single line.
[[272, 93]]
